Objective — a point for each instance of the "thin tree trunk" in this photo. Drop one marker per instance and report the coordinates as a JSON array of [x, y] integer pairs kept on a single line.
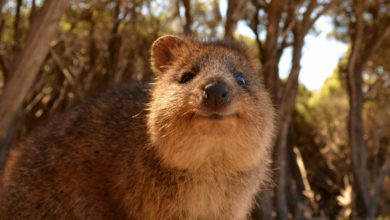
[[234, 13], [188, 16], [115, 40], [355, 122], [33, 9], [384, 172], [10, 137], [264, 209], [356, 141], [281, 152], [2, 23], [29, 60], [16, 24], [285, 113], [1, 4], [1, 12], [270, 53]]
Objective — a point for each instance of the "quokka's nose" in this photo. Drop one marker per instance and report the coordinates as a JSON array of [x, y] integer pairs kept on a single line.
[[216, 95]]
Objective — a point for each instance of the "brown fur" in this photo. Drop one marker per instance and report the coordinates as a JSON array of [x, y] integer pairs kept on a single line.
[[150, 155]]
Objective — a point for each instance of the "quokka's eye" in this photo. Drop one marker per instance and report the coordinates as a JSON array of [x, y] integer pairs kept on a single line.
[[188, 76], [240, 79]]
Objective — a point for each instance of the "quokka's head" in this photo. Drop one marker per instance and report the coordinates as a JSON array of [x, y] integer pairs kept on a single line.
[[208, 104]]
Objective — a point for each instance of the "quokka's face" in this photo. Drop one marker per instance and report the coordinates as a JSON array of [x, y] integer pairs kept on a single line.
[[207, 90]]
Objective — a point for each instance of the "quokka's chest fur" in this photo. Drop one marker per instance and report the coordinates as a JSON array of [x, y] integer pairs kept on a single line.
[[183, 195]]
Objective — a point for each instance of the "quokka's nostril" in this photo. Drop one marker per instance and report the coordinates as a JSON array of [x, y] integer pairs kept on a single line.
[[225, 96]]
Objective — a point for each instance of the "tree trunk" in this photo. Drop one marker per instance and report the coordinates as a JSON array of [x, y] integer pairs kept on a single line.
[[384, 172], [264, 209], [188, 16], [33, 9], [29, 60], [356, 142], [270, 56], [10, 137], [1, 11], [16, 24], [355, 122], [285, 113], [114, 43], [234, 13]]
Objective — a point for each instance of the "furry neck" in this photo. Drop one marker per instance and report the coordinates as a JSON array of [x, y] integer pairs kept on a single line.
[[195, 151]]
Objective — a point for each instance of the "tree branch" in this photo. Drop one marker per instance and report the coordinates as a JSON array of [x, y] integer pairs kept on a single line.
[[254, 23], [374, 42], [67, 74], [384, 172], [234, 13], [326, 8]]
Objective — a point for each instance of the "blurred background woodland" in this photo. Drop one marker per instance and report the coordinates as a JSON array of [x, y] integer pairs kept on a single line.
[[332, 154]]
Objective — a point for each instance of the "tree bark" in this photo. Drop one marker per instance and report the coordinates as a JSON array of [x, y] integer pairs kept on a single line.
[[2, 23], [28, 62], [1, 4], [384, 172], [114, 43], [355, 122], [1, 11], [235, 11], [270, 53], [264, 209], [188, 16], [16, 24], [10, 137], [285, 113], [33, 9]]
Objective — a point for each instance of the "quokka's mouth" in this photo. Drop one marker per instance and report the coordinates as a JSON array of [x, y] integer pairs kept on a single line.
[[215, 116]]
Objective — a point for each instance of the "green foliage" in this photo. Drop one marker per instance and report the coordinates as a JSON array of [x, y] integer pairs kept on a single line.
[[332, 86]]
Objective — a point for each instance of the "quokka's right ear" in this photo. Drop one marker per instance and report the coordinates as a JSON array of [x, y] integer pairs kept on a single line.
[[164, 51]]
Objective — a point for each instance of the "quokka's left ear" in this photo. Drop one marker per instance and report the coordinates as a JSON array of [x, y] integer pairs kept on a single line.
[[165, 50]]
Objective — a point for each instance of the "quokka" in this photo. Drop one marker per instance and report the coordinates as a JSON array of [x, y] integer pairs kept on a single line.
[[195, 144]]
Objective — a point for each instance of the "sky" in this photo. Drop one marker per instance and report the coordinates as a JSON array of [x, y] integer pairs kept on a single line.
[[320, 54]]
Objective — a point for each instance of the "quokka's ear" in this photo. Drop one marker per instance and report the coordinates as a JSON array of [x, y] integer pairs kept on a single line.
[[165, 50]]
